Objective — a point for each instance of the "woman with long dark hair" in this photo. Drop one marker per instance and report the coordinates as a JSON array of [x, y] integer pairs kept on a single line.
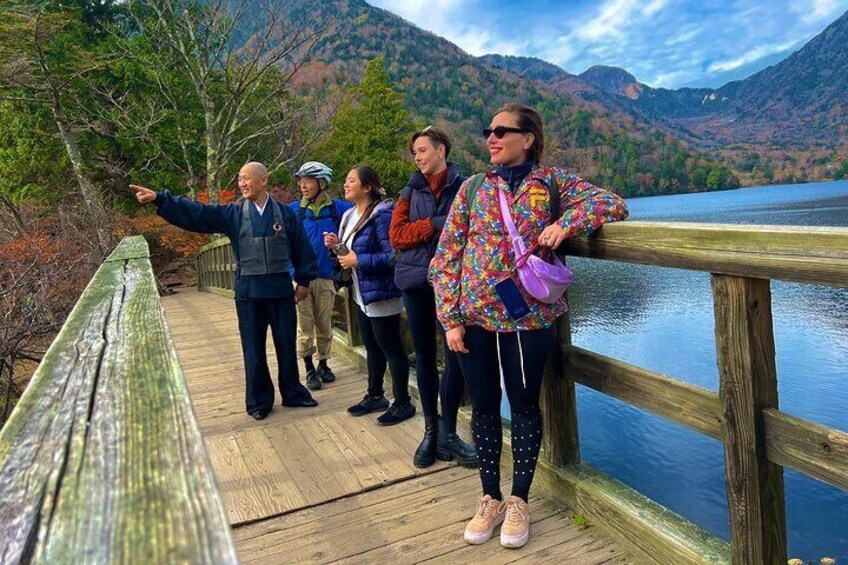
[[499, 329], [362, 245]]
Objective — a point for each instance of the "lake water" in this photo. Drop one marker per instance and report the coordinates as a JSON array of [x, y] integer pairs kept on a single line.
[[662, 319]]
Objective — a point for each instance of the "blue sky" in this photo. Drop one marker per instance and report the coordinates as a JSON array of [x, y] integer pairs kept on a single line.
[[664, 43]]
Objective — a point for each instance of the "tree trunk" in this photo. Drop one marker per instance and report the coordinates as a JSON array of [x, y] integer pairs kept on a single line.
[[213, 164], [91, 195], [16, 224]]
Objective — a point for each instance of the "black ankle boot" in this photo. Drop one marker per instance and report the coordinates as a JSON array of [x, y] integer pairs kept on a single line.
[[450, 446], [425, 455]]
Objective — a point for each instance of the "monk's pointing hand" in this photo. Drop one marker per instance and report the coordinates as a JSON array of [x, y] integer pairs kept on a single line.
[[142, 194]]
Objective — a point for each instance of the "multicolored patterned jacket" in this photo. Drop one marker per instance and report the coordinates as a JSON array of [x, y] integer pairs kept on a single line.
[[474, 253]]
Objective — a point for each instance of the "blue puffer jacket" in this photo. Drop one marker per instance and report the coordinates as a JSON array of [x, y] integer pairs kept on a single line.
[[375, 257], [315, 226]]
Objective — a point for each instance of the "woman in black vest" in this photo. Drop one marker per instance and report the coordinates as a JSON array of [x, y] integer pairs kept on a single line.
[[416, 226]]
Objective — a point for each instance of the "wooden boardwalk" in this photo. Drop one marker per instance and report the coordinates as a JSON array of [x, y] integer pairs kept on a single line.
[[318, 486]]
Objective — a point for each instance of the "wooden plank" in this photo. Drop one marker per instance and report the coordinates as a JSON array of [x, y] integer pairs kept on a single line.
[[253, 480], [334, 459], [365, 468], [377, 444], [748, 385], [132, 247], [350, 526], [314, 474], [561, 442], [279, 530], [692, 406], [813, 449], [583, 550], [268, 474], [802, 254], [102, 459]]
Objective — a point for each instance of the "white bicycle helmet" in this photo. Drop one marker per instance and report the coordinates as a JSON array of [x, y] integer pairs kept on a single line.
[[316, 170]]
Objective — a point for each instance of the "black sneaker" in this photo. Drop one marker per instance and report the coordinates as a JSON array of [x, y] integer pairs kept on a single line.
[[397, 414], [313, 380], [326, 374], [369, 404]]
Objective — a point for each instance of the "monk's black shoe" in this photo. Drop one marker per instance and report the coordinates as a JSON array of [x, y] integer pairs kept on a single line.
[[305, 403], [259, 414]]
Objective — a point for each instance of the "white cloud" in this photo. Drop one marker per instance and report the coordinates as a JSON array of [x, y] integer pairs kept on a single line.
[[653, 7], [613, 17], [820, 9], [751, 56], [450, 19], [668, 80], [663, 42], [416, 10]]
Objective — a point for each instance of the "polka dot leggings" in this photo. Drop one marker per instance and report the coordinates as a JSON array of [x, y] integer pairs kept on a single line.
[[518, 359]]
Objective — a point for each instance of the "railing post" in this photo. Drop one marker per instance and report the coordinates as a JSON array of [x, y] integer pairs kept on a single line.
[[748, 385], [198, 267], [559, 403], [354, 338]]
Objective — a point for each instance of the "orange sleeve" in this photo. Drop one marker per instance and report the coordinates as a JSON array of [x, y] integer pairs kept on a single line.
[[404, 234]]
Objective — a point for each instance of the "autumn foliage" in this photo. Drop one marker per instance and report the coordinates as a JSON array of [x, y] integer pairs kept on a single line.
[[42, 274]]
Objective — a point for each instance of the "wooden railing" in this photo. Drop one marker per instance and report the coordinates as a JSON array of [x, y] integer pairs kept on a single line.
[[759, 440], [102, 459]]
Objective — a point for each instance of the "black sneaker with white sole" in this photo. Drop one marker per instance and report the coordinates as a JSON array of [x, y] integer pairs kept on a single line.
[[369, 404], [397, 413]]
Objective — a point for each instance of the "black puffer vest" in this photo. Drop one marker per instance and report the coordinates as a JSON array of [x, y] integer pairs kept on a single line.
[[412, 264]]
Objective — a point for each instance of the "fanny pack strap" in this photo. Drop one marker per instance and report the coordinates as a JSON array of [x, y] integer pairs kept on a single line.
[[519, 248]]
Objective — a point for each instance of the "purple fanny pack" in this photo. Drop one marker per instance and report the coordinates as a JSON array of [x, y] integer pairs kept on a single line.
[[546, 282]]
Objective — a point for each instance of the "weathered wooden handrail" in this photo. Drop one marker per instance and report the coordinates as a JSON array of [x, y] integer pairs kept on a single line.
[[759, 439], [809, 254], [102, 459]]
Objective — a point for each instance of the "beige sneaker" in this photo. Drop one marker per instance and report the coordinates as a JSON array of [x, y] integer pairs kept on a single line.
[[488, 517], [516, 526]]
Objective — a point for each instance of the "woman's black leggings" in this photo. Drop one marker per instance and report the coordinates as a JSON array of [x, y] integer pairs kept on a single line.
[[383, 343], [520, 358], [421, 315]]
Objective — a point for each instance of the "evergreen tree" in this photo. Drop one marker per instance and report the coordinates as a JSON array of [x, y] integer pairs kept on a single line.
[[842, 171], [371, 128]]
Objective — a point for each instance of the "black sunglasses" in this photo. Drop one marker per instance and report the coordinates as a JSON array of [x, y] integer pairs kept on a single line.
[[501, 131]]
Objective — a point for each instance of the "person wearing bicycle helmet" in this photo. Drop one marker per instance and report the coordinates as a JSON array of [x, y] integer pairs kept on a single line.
[[319, 214]]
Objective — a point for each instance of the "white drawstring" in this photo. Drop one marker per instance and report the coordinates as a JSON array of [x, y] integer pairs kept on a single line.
[[521, 356], [500, 366]]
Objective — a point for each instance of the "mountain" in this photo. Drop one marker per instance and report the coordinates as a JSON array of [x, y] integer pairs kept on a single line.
[[798, 102], [585, 128], [613, 80], [801, 99], [526, 67]]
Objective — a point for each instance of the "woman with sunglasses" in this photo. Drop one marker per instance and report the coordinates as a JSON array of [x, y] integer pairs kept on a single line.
[[416, 225], [498, 329]]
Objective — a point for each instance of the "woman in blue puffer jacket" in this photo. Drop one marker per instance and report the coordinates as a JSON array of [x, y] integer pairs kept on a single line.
[[362, 245]]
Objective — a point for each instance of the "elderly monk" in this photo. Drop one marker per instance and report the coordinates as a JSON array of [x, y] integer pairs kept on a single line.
[[268, 241]]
